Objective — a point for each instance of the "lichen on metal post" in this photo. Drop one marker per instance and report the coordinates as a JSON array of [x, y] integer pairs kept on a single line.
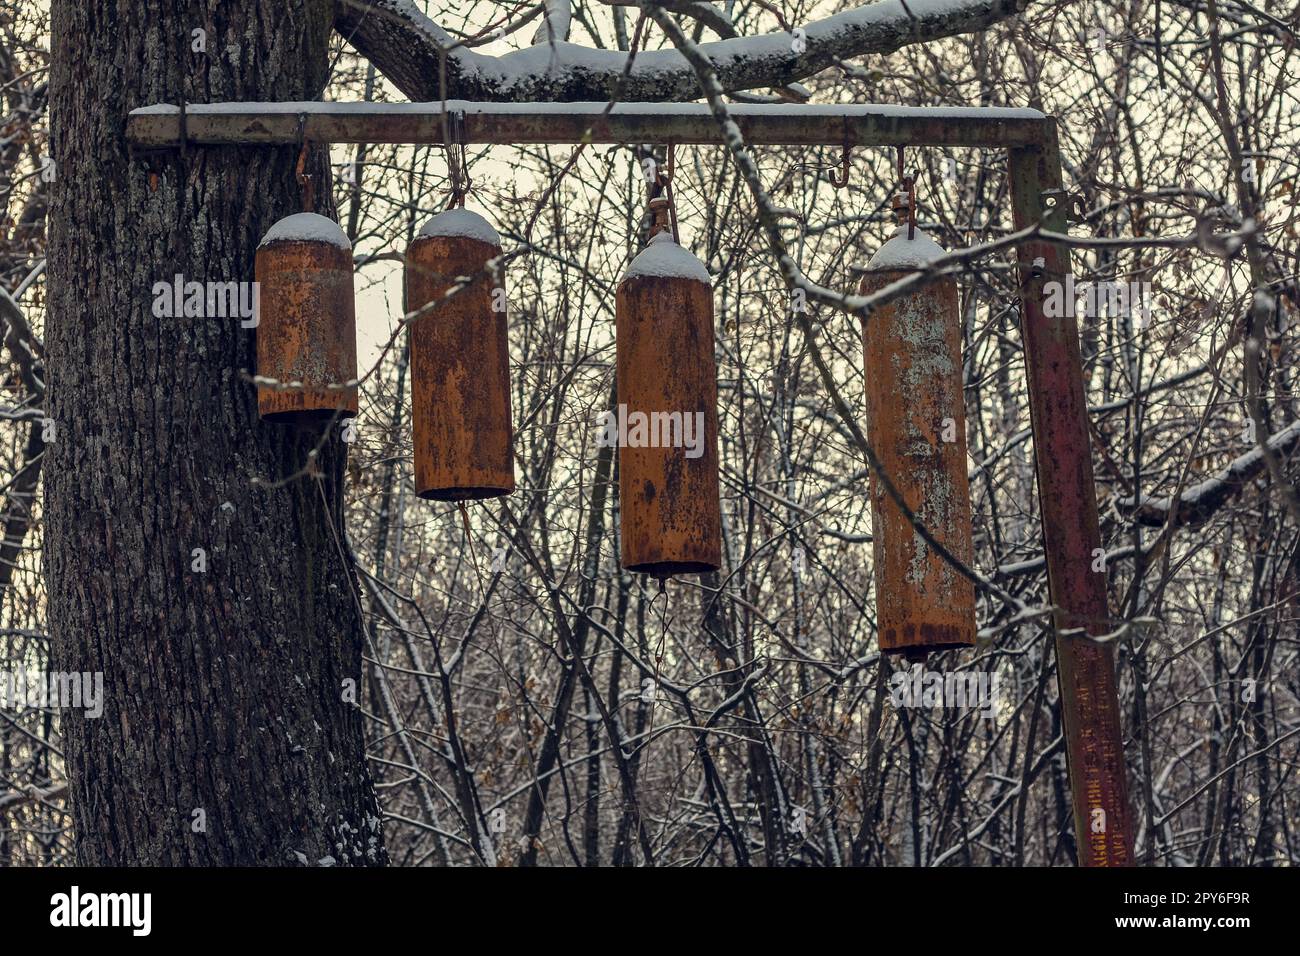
[[1068, 511]]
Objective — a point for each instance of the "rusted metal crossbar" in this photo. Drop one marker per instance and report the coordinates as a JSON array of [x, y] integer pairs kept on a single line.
[[251, 124], [1086, 669]]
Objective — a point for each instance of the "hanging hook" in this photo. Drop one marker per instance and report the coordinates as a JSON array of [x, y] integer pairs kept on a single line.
[[664, 184], [668, 191], [458, 165], [910, 183], [843, 179], [905, 207], [306, 181]]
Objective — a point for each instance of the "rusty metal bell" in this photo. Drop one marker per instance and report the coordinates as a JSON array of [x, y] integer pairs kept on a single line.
[[306, 328], [916, 423], [460, 362], [666, 423]]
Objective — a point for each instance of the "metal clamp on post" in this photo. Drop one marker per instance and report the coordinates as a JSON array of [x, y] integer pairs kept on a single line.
[[1062, 202]]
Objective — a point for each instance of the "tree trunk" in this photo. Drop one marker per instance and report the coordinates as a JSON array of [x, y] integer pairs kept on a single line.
[[227, 736]]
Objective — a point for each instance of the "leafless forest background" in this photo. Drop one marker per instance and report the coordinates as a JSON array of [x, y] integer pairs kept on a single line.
[[742, 718]]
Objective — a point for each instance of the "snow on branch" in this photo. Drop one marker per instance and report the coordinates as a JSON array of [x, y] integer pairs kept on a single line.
[[408, 48], [555, 22], [1197, 504]]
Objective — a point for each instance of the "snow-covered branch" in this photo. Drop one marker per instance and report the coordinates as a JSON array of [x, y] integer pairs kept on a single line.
[[555, 22], [408, 47], [1198, 503]]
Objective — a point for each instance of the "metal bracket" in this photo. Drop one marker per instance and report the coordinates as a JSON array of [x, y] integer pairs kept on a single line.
[[1072, 205]]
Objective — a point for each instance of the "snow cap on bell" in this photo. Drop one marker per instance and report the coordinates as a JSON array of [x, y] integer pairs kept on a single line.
[[306, 227], [462, 223], [901, 253], [662, 257]]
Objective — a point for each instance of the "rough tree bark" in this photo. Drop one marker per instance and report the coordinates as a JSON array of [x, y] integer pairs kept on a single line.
[[224, 689]]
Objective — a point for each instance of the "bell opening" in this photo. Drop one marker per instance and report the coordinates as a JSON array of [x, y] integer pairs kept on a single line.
[[915, 653], [934, 640], [666, 569], [308, 416], [464, 494]]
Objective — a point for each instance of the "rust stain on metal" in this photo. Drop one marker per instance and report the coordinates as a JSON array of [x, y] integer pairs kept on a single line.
[[306, 331], [862, 125], [1089, 697], [460, 372], [914, 402], [671, 519]]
